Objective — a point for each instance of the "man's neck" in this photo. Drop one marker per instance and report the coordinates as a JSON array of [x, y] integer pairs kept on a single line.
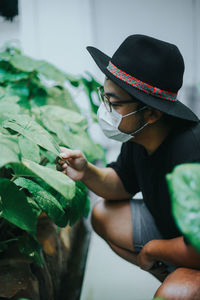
[[153, 136]]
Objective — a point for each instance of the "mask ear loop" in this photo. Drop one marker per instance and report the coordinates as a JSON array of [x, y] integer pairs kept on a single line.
[[139, 129], [134, 112]]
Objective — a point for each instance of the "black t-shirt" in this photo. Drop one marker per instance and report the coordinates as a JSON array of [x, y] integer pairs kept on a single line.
[[141, 172]]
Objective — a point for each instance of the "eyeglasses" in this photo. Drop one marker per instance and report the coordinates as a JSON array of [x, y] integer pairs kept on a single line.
[[109, 105]]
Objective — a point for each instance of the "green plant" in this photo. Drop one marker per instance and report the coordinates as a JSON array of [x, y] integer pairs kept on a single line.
[[184, 188], [35, 119]]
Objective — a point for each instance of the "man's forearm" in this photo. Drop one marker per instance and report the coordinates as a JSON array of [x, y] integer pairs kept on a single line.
[[105, 183], [175, 252]]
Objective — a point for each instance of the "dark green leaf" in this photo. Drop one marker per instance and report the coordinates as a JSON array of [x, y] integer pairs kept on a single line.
[[80, 204], [15, 207], [9, 76], [31, 249], [45, 200]]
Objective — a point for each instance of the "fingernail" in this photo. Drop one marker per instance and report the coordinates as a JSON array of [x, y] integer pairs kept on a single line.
[[62, 154]]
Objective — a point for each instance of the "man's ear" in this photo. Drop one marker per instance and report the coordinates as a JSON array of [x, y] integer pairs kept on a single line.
[[152, 115]]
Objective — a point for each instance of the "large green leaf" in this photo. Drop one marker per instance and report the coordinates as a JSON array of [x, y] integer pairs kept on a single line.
[[29, 150], [45, 200], [15, 207], [184, 187], [9, 99], [24, 63], [82, 140], [47, 112], [61, 97], [50, 71], [26, 126], [57, 180], [9, 149], [6, 108]]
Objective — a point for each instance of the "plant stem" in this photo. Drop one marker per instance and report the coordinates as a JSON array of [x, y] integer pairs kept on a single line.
[[13, 178]]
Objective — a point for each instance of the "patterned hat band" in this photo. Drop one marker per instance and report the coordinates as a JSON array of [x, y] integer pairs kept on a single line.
[[148, 89]]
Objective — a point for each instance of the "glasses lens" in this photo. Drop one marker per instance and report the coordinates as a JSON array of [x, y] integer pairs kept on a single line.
[[104, 99]]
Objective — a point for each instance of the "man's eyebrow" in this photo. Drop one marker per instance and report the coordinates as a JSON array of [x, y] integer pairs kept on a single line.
[[112, 95]]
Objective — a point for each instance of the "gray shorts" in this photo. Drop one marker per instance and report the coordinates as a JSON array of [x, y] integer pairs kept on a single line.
[[144, 227]]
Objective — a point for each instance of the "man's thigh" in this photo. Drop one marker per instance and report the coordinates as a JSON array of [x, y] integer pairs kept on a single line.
[[112, 221]]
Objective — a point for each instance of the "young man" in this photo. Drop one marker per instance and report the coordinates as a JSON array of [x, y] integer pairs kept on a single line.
[[140, 109]]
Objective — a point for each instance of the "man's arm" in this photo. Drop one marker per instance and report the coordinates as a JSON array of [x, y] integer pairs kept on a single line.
[[173, 251], [103, 181]]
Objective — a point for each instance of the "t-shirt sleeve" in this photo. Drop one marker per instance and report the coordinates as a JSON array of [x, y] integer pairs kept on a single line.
[[124, 167]]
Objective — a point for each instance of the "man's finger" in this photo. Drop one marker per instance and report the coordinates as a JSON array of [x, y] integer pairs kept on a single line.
[[70, 154]]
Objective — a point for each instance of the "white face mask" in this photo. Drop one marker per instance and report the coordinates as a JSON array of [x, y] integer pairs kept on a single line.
[[109, 123]]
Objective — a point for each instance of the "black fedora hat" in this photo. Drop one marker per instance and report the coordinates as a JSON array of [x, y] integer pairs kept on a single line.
[[148, 69]]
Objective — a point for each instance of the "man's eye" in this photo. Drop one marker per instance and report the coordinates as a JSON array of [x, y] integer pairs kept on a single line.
[[115, 104]]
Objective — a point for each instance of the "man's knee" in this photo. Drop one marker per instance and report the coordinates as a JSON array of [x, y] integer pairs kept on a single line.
[[98, 219], [182, 284]]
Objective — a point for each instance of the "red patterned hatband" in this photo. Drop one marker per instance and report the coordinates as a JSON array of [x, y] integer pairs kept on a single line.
[[139, 84]]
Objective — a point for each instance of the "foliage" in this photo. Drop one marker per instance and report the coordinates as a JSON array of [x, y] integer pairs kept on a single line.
[[184, 187], [36, 118]]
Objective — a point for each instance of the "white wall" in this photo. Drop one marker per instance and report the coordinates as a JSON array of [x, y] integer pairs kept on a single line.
[[58, 31], [9, 30]]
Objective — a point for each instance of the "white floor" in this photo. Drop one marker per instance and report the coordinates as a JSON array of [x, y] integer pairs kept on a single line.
[[109, 277]]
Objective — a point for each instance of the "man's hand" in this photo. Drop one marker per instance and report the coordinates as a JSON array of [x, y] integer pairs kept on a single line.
[[145, 259], [73, 163]]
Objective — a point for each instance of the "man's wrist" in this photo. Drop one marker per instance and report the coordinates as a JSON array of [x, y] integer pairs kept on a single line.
[[87, 173], [152, 249]]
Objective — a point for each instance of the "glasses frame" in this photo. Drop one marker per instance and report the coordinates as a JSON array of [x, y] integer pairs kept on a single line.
[[105, 99]]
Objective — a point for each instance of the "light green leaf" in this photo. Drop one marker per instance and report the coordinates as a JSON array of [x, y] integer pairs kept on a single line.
[[6, 108], [47, 112], [15, 207], [32, 130], [50, 71], [45, 200], [184, 187], [24, 63], [57, 180], [61, 97], [9, 149], [5, 56], [9, 99], [29, 150]]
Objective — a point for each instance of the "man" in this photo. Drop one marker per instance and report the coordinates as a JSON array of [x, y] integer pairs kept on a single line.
[[140, 109]]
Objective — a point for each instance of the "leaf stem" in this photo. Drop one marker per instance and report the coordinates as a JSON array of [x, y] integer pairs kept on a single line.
[[13, 178]]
